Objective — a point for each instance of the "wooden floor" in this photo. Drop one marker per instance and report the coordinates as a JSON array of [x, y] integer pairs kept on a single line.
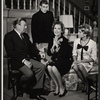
[[71, 95]]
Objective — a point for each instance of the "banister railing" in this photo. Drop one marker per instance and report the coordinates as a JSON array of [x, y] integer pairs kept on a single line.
[[82, 11], [79, 15], [23, 4], [58, 7], [66, 6]]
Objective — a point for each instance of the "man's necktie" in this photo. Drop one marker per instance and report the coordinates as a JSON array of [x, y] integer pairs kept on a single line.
[[83, 47], [23, 39]]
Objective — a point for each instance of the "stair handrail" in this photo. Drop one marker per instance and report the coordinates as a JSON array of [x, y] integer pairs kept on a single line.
[[89, 16]]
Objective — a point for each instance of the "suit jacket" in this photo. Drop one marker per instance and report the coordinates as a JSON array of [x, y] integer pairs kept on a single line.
[[18, 49], [41, 26], [64, 55], [63, 58]]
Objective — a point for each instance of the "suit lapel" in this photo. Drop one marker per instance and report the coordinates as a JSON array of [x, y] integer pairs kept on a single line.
[[17, 37], [19, 40]]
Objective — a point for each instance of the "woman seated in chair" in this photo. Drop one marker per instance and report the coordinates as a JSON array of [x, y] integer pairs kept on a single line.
[[60, 51], [84, 53]]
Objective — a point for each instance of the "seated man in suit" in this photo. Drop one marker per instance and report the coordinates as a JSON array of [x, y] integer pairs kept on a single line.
[[23, 54]]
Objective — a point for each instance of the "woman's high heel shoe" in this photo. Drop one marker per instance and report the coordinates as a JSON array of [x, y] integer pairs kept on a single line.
[[61, 95], [56, 94]]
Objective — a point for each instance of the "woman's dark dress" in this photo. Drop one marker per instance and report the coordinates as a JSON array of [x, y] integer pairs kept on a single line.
[[63, 58]]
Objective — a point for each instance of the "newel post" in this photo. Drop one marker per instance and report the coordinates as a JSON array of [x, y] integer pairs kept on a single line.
[[95, 31], [4, 4]]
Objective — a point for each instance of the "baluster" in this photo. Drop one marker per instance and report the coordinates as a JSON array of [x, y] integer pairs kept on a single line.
[[4, 5], [24, 5], [64, 8], [53, 6], [36, 4], [69, 5], [49, 4], [89, 21], [84, 18], [95, 31], [30, 4], [18, 4], [48, 1], [59, 8], [79, 18], [74, 19], [11, 4]]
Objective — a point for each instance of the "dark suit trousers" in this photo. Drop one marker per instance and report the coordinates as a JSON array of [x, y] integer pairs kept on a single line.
[[37, 71]]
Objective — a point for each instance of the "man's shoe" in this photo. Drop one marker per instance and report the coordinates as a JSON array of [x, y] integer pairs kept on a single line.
[[40, 97], [32, 96], [20, 93]]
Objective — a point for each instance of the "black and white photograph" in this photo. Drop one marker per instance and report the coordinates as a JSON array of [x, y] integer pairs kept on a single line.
[[50, 50]]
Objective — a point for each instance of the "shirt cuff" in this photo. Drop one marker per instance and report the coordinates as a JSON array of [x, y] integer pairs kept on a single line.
[[23, 60]]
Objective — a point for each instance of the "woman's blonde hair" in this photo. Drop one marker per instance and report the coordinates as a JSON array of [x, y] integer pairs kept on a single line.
[[86, 29]]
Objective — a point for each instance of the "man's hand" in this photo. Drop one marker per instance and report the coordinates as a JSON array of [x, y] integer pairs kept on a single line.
[[28, 63]]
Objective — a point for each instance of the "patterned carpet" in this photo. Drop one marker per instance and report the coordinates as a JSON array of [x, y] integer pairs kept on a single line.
[[71, 95]]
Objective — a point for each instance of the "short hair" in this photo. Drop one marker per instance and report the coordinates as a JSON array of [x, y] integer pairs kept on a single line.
[[58, 23], [87, 29], [17, 21], [43, 2]]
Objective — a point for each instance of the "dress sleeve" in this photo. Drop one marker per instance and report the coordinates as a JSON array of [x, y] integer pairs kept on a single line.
[[74, 52], [94, 51]]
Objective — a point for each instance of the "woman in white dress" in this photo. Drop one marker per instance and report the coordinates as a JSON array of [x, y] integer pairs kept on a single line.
[[84, 53]]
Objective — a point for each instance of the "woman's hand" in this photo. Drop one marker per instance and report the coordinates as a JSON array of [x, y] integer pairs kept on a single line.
[[77, 62], [59, 41], [73, 64], [52, 49], [55, 41], [57, 49], [42, 54]]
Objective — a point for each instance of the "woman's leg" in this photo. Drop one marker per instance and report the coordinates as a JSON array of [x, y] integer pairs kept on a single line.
[[79, 74], [59, 79], [53, 77], [84, 74], [83, 70]]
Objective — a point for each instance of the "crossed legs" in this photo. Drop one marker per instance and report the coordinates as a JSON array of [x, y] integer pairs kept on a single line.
[[81, 73], [27, 76], [33, 77]]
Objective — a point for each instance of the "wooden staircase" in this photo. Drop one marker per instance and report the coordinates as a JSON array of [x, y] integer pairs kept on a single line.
[[67, 7], [25, 8]]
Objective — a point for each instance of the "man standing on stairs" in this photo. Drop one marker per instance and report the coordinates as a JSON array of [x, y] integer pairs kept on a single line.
[[41, 24]]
